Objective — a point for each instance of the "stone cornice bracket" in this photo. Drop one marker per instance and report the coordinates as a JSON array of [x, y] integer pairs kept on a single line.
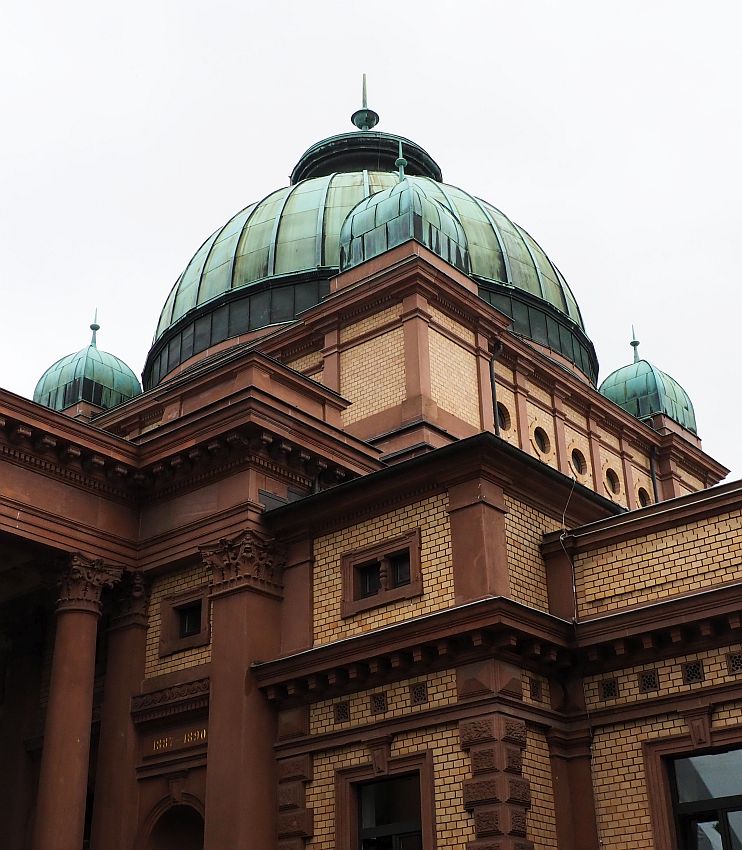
[[132, 601], [82, 581], [249, 560]]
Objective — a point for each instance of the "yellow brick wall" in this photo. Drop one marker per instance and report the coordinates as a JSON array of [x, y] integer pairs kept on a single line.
[[307, 362], [727, 714], [441, 691], [539, 393], [452, 325], [537, 417], [541, 817], [454, 826], [575, 416], [621, 798], [453, 378], [642, 479], [524, 528], [171, 585], [431, 517], [372, 375], [670, 678], [662, 564], [529, 676], [370, 323]]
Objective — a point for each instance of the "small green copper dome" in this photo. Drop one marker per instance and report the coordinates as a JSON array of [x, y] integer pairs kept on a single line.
[[397, 215], [88, 375], [643, 390]]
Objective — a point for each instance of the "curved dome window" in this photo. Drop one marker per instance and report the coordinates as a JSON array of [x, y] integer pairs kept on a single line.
[[541, 439], [579, 464], [503, 417], [644, 499], [612, 481]]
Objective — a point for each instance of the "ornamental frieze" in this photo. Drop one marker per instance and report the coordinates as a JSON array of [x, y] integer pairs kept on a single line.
[[251, 558]]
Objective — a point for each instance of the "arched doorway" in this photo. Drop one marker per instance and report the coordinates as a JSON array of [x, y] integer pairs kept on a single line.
[[178, 828]]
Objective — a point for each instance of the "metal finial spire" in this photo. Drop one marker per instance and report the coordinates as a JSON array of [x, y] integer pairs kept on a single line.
[[95, 327], [365, 118], [635, 344], [400, 162]]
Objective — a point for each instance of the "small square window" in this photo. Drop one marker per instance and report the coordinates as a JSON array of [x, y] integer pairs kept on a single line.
[[693, 672], [649, 680], [377, 703], [184, 621], [399, 568]]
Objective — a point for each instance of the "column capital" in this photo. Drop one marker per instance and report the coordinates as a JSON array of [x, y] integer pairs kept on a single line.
[[131, 602], [248, 560], [81, 583]]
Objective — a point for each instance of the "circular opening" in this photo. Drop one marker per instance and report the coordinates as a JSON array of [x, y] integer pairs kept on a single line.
[[542, 441], [644, 499], [611, 478], [503, 417], [578, 462]]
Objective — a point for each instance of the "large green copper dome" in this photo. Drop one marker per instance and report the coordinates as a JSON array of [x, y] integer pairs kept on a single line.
[[88, 375], [644, 390], [275, 258]]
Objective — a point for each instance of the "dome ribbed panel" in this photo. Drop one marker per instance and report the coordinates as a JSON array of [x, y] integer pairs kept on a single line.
[[187, 286]]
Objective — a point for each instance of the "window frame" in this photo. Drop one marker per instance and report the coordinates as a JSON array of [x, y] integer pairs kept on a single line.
[[347, 781], [170, 607], [352, 563]]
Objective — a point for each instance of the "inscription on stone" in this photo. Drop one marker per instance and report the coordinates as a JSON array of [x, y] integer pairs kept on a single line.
[[181, 739]]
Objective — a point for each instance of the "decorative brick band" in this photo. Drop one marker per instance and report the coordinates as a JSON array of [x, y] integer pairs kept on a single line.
[[295, 821], [498, 795]]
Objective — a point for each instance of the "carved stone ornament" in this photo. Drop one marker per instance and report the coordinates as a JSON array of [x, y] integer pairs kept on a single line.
[[132, 600], [250, 558], [82, 581]]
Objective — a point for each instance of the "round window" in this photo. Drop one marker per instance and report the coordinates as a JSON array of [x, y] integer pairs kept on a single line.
[[579, 463], [611, 479], [541, 439], [503, 417], [644, 499]]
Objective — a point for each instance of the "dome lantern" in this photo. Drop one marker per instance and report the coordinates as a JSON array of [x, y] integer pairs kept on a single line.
[[88, 375]]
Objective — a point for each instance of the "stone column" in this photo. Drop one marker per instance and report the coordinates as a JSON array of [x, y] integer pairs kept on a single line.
[[241, 783], [63, 777], [115, 806]]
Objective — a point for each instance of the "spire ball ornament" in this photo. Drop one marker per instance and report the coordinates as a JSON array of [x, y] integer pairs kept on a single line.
[[365, 118]]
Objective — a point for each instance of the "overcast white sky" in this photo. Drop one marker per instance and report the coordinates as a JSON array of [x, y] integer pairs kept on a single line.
[[611, 132]]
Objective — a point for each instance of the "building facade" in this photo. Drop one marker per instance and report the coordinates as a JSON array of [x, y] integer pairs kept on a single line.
[[371, 562]]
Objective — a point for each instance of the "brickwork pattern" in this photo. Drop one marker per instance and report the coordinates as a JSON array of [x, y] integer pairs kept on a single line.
[[524, 528], [170, 585], [541, 818], [441, 691], [621, 799], [727, 714], [372, 375], [576, 417], [540, 394], [320, 792], [307, 362], [431, 517], [453, 378], [451, 325], [670, 676], [642, 478], [370, 323], [656, 566]]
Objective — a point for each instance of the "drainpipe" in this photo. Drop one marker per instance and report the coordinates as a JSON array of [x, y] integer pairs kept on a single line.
[[496, 349], [653, 472]]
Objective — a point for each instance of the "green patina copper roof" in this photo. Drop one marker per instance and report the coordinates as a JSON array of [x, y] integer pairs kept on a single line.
[[397, 215], [88, 375], [274, 259], [644, 390]]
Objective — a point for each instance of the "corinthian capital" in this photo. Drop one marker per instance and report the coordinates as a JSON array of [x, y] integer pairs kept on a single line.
[[82, 581], [251, 559]]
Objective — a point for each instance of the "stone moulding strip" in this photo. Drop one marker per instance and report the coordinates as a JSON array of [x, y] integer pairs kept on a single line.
[[171, 702]]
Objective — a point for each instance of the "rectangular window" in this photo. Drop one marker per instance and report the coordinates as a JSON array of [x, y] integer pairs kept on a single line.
[[389, 814], [381, 574], [708, 800], [184, 621]]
